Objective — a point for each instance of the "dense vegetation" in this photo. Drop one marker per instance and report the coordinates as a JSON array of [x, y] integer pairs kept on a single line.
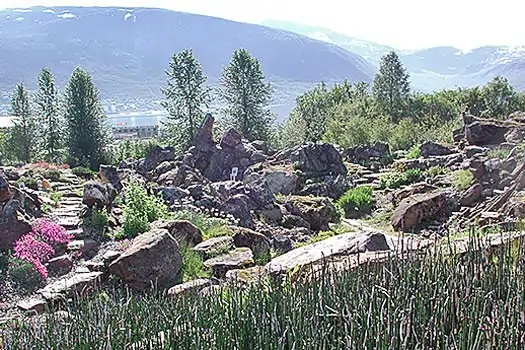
[[470, 302]]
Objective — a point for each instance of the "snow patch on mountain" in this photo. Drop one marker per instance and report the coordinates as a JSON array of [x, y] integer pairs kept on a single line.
[[67, 15], [19, 19]]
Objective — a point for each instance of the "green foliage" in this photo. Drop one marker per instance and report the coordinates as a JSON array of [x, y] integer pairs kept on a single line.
[[462, 179], [414, 152], [132, 149], [24, 275], [56, 197], [391, 87], [52, 174], [140, 209], [186, 95], [209, 226], [88, 133], [192, 264], [84, 172], [29, 182], [397, 179], [50, 122], [435, 171], [455, 303], [501, 153], [22, 136], [247, 95], [356, 201], [98, 219]]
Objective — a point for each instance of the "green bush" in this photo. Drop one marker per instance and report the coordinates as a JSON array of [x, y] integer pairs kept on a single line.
[[98, 219], [84, 172], [140, 209], [397, 179], [52, 174], [462, 179], [414, 152], [192, 264], [29, 182], [356, 201], [501, 153], [24, 275], [131, 149], [435, 171], [56, 197]]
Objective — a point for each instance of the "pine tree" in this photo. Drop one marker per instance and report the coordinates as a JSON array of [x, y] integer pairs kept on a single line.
[[87, 130], [186, 96], [247, 95], [391, 87], [50, 123], [22, 136]]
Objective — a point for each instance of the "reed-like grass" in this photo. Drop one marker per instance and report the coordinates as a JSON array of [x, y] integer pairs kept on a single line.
[[476, 301]]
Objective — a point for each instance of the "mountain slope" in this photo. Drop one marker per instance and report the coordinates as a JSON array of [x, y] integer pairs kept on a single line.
[[128, 50], [433, 68]]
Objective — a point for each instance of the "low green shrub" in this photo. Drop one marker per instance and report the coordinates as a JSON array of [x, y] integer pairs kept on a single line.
[[52, 174], [140, 209], [98, 219], [435, 171], [23, 274], [356, 201], [56, 197], [397, 179], [192, 264], [84, 172], [462, 179], [29, 182], [414, 152], [501, 153]]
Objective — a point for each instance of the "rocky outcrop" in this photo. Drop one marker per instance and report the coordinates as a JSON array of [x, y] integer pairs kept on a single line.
[[13, 220], [181, 230], [153, 259], [95, 193], [367, 155], [318, 212], [349, 243], [471, 195], [78, 284], [412, 211], [429, 149], [280, 180], [258, 243], [155, 157]]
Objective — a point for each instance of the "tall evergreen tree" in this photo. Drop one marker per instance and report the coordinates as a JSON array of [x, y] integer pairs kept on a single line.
[[87, 129], [23, 134], [391, 87], [186, 96], [50, 123], [247, 95]]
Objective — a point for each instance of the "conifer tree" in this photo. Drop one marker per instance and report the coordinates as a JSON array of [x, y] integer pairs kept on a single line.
[[247, 95], [87, 129], [391, 87], [50, 124], [186, 97], [23, 134]]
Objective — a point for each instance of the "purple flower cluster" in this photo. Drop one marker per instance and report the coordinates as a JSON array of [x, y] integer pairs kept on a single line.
[[36, 247]]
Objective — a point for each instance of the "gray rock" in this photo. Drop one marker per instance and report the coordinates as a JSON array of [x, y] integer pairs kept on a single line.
[[78, 284], [213, 245], [95, 193], [193, 286], [430, 148], [237, 259]]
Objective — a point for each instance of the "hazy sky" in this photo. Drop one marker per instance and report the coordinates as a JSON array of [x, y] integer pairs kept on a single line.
[[404, 24]]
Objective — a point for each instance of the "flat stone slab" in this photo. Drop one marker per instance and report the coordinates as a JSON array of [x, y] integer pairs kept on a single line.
[[217, 244], [79, 283], [236, 259], [345, 244], [32, 305], [189, 287]]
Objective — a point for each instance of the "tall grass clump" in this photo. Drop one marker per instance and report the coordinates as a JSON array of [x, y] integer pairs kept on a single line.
[[475, 301], [356, 201], [462, 179], [397, 179]]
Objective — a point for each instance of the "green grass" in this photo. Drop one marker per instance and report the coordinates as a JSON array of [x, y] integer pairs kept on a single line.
[[462, 179], [356, 201], [398, 179], [418, 303], [498, 153], [414, 152], [192, 264]]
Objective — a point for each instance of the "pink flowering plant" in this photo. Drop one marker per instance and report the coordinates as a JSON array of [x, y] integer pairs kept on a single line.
[[36, 247]]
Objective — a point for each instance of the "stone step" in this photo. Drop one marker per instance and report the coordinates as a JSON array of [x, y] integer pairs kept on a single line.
[[69, 223]]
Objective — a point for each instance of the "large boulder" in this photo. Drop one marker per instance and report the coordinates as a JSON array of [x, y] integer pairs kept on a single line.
[[95, 193], [181, 230], [481, 132], [317, 211], [430, 148], [317, 159], [414, 210], [280, 180], [11, 228], [239, 258], [156, 156], [152, 259], [204, 137], [257, 242], [366, 154]]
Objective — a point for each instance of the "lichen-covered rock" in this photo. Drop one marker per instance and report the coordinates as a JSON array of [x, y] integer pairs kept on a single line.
[[317, 211], [412, 211], [153, 259], [280, 180], [213, 245]]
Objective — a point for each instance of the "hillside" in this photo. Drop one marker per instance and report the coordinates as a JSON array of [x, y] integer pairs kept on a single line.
[[432, 68], [128, 50]]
